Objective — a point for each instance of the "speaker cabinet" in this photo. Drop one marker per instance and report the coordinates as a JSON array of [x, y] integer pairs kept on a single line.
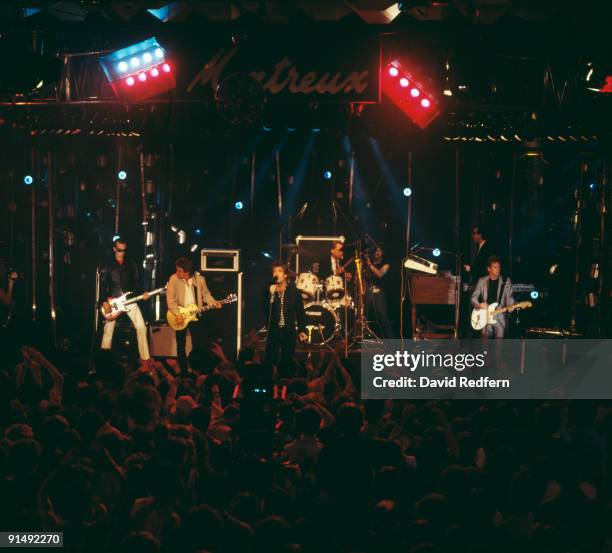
[[162, 341]]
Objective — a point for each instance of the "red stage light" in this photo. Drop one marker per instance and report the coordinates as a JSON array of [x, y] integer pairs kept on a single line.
[[142, 77], [154, 72], [422, 111], [129, 81], [166, 68]]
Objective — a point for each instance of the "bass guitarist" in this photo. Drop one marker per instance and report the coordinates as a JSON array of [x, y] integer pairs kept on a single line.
[[187, 287], [493, 289]]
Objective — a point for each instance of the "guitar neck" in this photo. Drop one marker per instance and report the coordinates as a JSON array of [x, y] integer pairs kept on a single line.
[[208, 307], [151, 293], [504, 309]]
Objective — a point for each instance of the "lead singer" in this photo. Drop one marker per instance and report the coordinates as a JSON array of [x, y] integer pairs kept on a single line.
[[285, 311]]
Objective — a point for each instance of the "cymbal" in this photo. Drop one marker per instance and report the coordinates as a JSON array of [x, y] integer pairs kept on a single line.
[[293, 249]]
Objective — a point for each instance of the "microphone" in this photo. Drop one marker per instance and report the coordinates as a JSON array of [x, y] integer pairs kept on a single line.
[[415, 246], [302, 211]]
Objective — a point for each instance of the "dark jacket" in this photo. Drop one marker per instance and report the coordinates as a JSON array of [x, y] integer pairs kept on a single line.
[[479, 263], [293, 309], [116, 279]]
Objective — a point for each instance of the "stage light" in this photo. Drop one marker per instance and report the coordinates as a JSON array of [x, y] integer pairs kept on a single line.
[[266, 129], [327, 175], [592, 186], [553, 269], [393, 71], [436, 252], [28, 179], [193, 248], [425, 103], [407, 192], [316, 130], [238, 205], [267, 255], [132, 65], [534, 294], [173, 228], [182, 236], [150, 256], [122, 175], [415, 92], [198, 232], [404, 82], [447, 92]]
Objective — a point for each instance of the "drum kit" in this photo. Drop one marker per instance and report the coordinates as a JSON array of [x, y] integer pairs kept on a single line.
[[328, 306]]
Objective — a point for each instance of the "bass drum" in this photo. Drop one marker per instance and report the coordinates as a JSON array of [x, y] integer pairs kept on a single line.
[[321, 323]]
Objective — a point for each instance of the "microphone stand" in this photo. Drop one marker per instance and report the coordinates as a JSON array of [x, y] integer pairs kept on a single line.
[[457, 283], [288, 222]]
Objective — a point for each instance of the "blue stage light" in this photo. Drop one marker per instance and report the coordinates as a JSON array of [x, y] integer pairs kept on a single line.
[[407, 192], [28, 179], [436, 252], [327, 175], [534, 294], [122, 175], [238, 205]]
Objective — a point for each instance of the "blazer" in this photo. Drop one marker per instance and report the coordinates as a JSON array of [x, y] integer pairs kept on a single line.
[[175, 293], [480, 261], [293, 309], [504, 292]]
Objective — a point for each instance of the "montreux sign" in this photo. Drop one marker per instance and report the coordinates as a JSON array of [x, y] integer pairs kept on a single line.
[[311, 68]]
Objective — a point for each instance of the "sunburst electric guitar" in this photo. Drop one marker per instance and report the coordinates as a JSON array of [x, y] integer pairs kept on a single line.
[[120, 304], [192, 312], [483, 317]]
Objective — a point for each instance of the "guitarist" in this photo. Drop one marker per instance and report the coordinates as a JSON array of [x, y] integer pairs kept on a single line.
[[187, 287], [118, 276], [493, 289]]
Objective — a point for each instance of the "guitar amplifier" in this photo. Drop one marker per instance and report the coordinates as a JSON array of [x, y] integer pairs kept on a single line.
[[223, 277], [162, 341]]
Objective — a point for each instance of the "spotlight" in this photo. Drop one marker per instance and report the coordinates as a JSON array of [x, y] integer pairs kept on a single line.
[[327, 175], [142, 77], [159, 53], [239, 205], [553, 269], [123, 66], [393, 71], [407, 192], [592, 186], [154, 72], [174, 228], [267, 255], [130, 81], [122, 175], [166, 68], [447, 92], [135, 62], [193, 248], [425, 103], [147, 57], [28, 179], [182, 237], [415, 92], [436, 252], [534, 294], [198, 232], [404, 82]]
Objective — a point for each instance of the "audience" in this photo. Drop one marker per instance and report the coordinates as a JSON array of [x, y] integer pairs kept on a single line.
[[142, 460]]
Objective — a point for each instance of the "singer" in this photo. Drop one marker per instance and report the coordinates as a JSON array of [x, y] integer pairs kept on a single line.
[[285, 313]]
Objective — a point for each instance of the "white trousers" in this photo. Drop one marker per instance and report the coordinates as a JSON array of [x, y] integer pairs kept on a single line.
[[141, 331]]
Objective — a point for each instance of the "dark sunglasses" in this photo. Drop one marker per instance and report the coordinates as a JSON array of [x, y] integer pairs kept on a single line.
[[121, 250]]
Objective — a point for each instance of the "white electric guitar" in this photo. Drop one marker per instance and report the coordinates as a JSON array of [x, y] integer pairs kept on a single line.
[[483, 317], [120, 304]]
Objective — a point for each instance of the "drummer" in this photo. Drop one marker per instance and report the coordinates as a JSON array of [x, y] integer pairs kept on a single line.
[[335, 266]]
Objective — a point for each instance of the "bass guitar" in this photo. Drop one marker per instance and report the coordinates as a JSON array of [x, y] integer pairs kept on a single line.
[[483, 317], [120, 304], [192, 312]]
